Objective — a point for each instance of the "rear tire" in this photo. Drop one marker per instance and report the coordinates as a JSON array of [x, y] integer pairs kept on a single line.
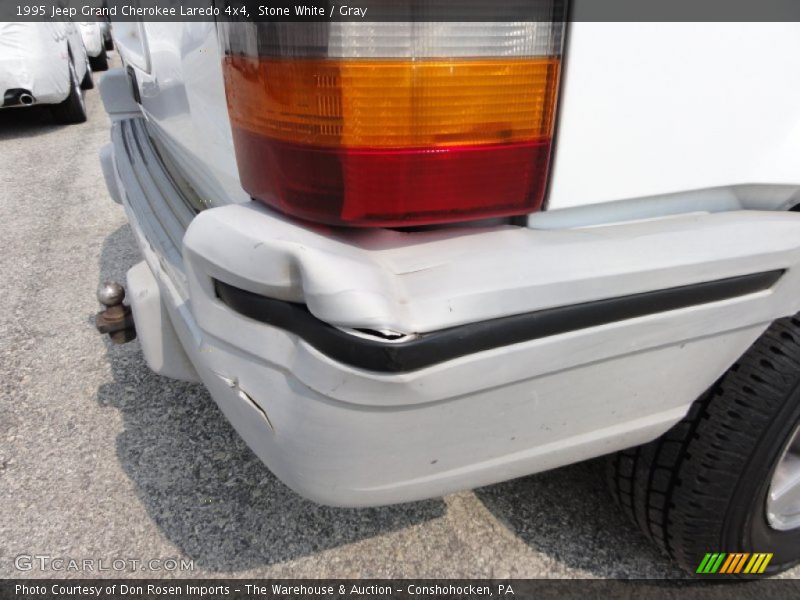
[[99, 62], [73, 109], [88, 81], [705, 485]]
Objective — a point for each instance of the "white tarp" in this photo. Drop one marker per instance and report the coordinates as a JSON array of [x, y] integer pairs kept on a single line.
[[92, 37], [33, 57]]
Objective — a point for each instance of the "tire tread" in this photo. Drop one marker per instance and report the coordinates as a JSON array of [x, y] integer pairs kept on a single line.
[[681, 484]]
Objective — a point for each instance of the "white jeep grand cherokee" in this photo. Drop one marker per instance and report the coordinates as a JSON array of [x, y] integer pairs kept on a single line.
[[413, 258]]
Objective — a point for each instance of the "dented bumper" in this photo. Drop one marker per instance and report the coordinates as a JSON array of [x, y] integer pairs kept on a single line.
[[340, 430]]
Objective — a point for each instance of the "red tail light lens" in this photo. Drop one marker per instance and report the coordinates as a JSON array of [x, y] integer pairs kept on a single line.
[[393, 124]]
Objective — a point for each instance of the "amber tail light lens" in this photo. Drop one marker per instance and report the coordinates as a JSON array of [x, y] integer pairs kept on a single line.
[[393, 124]]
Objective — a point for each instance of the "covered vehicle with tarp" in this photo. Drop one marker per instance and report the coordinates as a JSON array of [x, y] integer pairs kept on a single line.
[[95, 43], [44, 64]]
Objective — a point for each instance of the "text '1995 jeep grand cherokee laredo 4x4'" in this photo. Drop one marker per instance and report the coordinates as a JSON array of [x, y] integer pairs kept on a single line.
[[345, 239]]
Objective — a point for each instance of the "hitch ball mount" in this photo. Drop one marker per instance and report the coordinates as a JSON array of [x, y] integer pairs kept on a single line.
[[116, 320]]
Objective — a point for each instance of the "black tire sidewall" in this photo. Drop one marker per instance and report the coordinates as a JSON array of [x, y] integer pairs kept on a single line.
[[73, 109], [76, 93], [745, 528], [88, 81], [100, 62]]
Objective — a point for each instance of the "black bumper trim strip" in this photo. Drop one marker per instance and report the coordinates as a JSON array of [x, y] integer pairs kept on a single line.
[[439, 346]]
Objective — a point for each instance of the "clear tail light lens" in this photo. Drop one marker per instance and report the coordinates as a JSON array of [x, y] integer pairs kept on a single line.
[[393, 124]]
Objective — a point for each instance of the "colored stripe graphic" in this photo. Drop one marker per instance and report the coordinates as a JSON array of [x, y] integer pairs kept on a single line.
[[726, 566], [703, 564], [730, 564], [734, 563], [740, 564], [711, 563], [758, 564]]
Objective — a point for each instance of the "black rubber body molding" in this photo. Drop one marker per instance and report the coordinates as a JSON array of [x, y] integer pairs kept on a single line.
[[445, 344]]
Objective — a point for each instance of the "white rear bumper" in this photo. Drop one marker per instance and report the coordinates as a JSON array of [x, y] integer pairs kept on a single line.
[[345, 435]]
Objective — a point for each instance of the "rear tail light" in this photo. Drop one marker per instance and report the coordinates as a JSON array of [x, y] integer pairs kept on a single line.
[[393, 123]]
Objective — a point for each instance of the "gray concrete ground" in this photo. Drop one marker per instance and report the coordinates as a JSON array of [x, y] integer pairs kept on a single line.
[[100, 458]]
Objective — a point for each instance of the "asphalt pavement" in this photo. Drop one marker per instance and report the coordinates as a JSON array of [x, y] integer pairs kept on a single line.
[[102, 459]]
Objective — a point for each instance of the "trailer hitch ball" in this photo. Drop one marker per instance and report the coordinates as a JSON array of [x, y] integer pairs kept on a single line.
[[116, 320], [110, 293]]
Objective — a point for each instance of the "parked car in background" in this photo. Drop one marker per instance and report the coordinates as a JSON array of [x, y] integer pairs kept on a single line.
[[413, 258], [45, 64], [105, 29], [94, 40]]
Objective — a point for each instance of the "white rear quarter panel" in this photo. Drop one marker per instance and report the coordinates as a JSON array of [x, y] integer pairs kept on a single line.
[[656, 108], [179, 71]]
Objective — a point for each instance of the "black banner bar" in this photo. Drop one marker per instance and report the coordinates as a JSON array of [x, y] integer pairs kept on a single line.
[[422, 589], [403, 10]]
